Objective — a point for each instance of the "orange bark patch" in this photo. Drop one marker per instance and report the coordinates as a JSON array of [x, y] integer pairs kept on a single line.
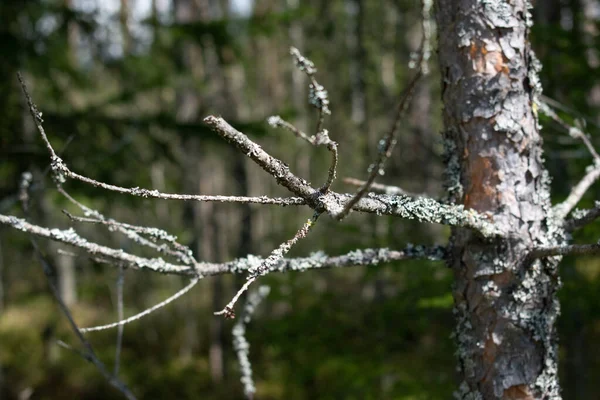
[[519, 392], [481, 194], [487, 62]]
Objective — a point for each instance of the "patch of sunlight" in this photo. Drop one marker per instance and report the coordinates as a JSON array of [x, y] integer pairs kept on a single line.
[[443, 301]]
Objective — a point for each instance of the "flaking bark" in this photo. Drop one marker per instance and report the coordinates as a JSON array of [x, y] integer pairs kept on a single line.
[[505, 308]]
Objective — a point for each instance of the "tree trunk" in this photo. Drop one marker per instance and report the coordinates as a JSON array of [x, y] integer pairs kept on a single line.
[[506, 307]]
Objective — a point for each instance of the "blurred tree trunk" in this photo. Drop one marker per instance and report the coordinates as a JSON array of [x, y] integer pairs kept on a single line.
[[124, 23], [506, 309]]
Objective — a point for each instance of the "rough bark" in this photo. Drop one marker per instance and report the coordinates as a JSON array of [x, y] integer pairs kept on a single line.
[[505, 308]]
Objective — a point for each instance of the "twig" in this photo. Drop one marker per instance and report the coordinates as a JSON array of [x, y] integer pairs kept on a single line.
[[574, 131], [582, 218], [240, 343], [275, 167], [61, 172], [593, 171], [89, 353], [572, 249], [317, 95], [266, 266], [423, 209], [182, 253], [386, 146], [379, 188], [319, 139], [120, 316], [563, 209], [150, 310], [428, 27], [70, 237]]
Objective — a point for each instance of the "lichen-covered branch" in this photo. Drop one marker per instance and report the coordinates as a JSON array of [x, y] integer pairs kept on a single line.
[[423, 209], [241, 346], [61, 173], [275, 167], [593, 173], [266, 266], [582, 217], [571, 249], [379, 188], [72, 238], [317, 95], [318, 260], [386, 146], [122, 322], [88, 352], [319, 139]]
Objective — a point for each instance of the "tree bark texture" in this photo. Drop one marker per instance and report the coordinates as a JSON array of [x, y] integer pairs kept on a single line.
[[505, 306]]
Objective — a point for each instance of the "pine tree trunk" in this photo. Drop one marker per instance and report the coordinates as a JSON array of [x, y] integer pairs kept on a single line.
[[506, 308]]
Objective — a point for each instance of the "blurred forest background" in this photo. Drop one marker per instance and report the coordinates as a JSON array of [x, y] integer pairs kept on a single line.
[[124, 85]]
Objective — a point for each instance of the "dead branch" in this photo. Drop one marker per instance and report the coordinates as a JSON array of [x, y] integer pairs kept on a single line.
[[318, 260], [241, 345], [266, 266], [592, 172], [572, 249], [379, 188], [88, 352], [582, 217], [386, 146]]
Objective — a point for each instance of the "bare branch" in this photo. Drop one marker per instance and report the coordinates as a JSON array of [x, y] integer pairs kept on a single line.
[[150, 310], [266, 266], [61, 172], [574, 131], [317, 95], [270, 164], [386, 146], [379, 188], [71, 238], [572, 249], [88, 353], [582, 217], [423, 209], [240, 343], [593, 173], [319, 139], [203, 269]]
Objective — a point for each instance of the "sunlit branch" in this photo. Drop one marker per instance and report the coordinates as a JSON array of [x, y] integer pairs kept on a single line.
[[61, 172], [386, 146], [72, 238], [572, 249], [150, 310], [379, 188], [582, 218], [318, 260], [592, 173], [266, 266], [321, 138], [422, 209]]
